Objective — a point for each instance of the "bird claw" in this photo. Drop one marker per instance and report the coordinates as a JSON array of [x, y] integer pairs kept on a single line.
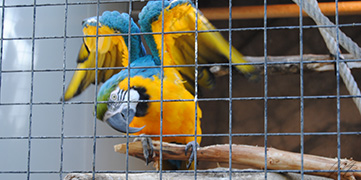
[[191, 145], [147, 147]]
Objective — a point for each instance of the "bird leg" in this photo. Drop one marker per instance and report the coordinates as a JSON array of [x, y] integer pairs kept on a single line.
[[147, 147], [194, 145]]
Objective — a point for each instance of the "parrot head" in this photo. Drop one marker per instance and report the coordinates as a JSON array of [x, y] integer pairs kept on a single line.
[[120, 109]]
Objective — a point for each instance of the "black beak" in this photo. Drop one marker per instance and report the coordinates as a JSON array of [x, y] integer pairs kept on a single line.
[[118, 121]]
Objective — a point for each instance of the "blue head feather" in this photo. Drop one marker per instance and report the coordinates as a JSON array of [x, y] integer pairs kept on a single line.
[[111, 84], [119, 22]]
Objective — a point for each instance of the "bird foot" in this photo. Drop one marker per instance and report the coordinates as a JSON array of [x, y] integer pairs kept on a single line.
[[147, 147], [193, 145]]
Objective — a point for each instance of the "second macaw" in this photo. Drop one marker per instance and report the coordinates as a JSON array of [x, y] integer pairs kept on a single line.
[[179, 47], [141, 84], [112, 50]]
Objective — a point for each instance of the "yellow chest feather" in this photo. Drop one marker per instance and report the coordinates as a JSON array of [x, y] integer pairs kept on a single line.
[[178, 116]]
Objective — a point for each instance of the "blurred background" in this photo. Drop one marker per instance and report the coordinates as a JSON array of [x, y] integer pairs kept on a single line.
[[32, 83], [44, 88]]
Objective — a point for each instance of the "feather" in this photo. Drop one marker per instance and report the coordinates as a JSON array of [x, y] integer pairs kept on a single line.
[[179, 48], [112, 50]]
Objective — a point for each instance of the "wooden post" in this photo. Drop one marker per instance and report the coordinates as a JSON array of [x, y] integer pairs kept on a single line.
[[279, 11]]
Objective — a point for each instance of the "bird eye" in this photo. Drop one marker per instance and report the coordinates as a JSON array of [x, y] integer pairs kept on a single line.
[[113, 96]]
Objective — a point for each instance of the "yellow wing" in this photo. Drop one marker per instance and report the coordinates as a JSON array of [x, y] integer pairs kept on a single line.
[[179, 48], [112, 52]]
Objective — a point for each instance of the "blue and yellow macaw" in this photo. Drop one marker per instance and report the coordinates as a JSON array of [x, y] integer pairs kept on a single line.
[[144, 117], [145, 84], [179, 48], [112, 50]]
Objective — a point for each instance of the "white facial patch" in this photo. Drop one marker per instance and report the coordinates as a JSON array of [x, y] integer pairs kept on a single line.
[[122, 96], [133, 96]]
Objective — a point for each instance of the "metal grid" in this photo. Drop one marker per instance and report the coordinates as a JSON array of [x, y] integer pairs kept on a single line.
[[94, 137]]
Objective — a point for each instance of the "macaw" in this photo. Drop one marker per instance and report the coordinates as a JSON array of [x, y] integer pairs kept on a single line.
[[112, 50], [141, 84], [179, 48]]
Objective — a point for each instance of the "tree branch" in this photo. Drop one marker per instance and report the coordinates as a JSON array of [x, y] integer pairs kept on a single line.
[[290, 64], [252, 156]]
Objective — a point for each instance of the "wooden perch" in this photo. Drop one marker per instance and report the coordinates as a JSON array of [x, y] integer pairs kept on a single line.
[[290, 64], [279, 11], [251, 156], [217, 173]]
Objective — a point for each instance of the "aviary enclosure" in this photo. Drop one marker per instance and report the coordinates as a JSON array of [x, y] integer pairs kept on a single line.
[[306, 100]]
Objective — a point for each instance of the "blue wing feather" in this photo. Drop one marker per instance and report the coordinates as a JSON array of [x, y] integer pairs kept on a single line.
[[120, 23], [149, 14]]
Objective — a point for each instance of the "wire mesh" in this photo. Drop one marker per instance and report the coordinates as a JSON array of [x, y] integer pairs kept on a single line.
[[44, 138]]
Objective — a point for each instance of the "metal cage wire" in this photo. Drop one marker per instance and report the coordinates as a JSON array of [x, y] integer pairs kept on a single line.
[[94, 137]]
